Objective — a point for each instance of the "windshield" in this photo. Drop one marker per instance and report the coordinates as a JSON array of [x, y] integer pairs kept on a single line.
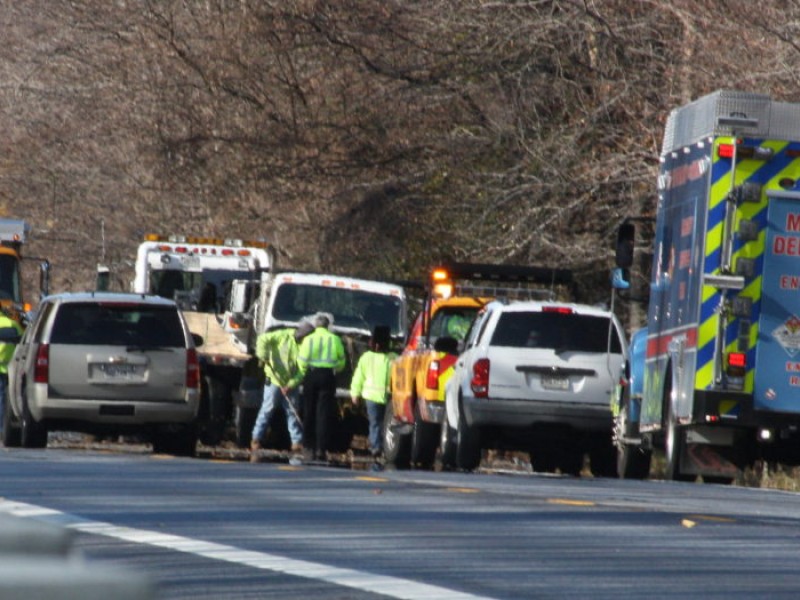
[[9, 278], [452, 322], [558, 331], [350, 308], [202, 291]]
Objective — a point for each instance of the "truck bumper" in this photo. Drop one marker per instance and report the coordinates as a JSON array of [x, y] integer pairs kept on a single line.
[[737, 409], [432, 411], [527, 413]]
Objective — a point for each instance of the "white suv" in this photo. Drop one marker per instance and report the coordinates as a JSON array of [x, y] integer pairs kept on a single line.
[[535, 376], [105, 363]]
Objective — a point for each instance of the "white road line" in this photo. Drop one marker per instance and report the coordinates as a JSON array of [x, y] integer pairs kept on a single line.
[[393, 587]]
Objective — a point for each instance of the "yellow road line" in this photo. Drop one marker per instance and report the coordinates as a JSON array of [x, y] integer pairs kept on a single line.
[[568, 502], [712, 518]]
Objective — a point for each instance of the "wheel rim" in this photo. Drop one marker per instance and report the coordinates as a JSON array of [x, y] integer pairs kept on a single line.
[[390, 439], [389, 436], [620, 427], [669, 442]]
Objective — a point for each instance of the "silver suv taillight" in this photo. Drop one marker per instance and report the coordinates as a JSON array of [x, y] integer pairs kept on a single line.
[[41, 371], [192, 369]]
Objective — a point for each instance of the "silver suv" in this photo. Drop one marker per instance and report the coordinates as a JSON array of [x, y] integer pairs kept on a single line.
[[105, 363], [535, 376]]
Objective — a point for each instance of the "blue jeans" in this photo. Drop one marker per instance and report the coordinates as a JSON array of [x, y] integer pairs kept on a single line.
[[273, 397], [3, 395], [375, 413]]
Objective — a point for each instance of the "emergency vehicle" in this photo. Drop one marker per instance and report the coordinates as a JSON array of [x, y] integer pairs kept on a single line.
[[199, 272], [722, 357], [455, 292]]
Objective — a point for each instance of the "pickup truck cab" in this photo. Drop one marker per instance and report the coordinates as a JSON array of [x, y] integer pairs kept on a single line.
[[536, 376]]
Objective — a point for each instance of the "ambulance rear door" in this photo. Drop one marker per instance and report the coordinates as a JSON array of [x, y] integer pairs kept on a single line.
[[777, 360]]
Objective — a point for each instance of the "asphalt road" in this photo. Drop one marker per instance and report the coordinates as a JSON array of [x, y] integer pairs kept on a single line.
[[229, 529]]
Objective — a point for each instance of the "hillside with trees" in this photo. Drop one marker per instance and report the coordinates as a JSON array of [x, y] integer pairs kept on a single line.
[[369, 138]]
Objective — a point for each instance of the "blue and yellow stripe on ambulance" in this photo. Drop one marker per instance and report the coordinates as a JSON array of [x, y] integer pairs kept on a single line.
[[763, 173]]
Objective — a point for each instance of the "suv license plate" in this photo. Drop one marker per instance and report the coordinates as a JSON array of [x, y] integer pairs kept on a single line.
[[555, 383], [118, 371]]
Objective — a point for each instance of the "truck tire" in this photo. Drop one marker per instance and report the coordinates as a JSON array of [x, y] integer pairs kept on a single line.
[[215, 401], [632, 461], [424, 441], [243, 421], [447, 446], [396, 445], [11, 431], [32, 434], [468, 449]]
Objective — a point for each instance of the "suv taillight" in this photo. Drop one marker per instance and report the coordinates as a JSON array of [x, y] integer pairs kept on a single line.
[[432, 378], [192, 369], [41, 371], [480, 378]]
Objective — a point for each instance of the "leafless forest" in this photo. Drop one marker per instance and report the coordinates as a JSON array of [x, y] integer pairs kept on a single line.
[[362, 137]]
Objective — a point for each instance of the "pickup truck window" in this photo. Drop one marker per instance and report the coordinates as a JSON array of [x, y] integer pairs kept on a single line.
[[560, 332]]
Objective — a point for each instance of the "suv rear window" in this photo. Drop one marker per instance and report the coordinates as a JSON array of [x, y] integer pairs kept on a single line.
[[117, 324], [561, 332]]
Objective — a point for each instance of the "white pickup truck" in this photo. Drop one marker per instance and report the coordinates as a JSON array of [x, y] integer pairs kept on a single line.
[[535, 376], [356, 305]]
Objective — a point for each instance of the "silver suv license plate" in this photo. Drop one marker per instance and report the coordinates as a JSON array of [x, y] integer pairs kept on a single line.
[[118, 371]]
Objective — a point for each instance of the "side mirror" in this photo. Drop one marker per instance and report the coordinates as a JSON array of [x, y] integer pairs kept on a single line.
[[625, 238], [618, 280], [102, 279]]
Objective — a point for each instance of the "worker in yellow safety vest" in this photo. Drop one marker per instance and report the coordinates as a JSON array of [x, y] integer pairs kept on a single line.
[[371, 382], [320, 358], [10, 333]]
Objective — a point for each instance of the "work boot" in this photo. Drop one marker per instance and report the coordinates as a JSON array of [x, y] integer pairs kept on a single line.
[[255, 447]]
